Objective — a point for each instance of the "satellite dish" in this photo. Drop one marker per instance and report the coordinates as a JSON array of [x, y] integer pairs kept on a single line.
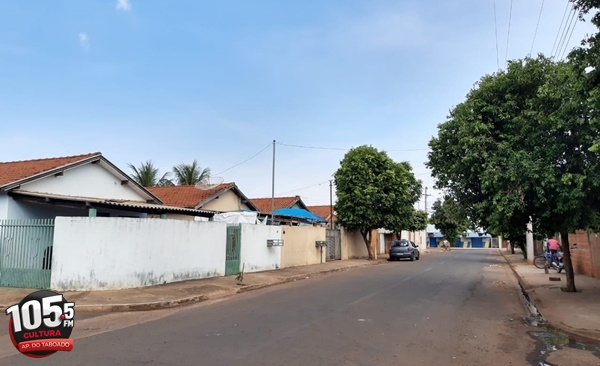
[[209, 183]]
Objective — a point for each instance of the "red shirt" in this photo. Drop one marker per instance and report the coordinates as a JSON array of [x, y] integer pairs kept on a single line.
[[553, 244]]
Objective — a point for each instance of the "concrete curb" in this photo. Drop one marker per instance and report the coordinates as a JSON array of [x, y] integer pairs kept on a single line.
[[169, 304], [519, 279], [533, 298], [159, 305], [303, 277]]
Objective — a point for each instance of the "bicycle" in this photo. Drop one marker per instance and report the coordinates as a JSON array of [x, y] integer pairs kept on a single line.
[[540, 260]]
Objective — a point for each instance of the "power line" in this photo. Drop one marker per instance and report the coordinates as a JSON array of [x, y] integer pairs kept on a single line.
[[563, 37], [245, 161], [496, 29], [313, 147], [508, 36], [303, 188], [339, 148], [536, 27], [570, 34], [559, 28]]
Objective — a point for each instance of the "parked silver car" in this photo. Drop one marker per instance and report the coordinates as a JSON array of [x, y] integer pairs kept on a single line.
[[404, 249]]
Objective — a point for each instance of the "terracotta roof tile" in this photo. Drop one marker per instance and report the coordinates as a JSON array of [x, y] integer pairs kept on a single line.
[[186, 196], [323, 211], [264, 204], [15, 171]]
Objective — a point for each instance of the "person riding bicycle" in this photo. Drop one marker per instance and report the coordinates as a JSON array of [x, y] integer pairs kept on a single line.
[[446, 245], [553, 247]]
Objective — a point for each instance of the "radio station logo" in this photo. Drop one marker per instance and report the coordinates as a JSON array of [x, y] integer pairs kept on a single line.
[[41, 324]]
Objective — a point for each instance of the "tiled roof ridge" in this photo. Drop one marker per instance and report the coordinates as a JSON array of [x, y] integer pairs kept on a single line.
[[54, 158], [276, 197], [191, 186]]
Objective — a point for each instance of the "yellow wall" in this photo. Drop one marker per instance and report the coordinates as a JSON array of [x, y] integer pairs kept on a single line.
[[227, 202], [353, 245], [299, 246]]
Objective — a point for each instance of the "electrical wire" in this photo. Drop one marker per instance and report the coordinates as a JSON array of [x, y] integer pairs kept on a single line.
[[303, 188], [559, 29], [508, 36], [496, 29], [536, 27], [338, 148], [245, 161], [563, 37], [575, 16]]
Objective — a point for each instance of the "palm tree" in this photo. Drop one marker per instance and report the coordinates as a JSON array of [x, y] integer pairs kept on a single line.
[[190, 174], [147, 175]]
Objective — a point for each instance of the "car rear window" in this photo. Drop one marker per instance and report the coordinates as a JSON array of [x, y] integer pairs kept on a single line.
[[400, 244]]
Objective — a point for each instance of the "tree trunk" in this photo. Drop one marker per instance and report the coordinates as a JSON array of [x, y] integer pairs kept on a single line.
[[512, 246], [522, 246], [564, 238], [367, 238]]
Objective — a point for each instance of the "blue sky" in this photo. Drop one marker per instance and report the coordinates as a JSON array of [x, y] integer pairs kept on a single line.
[[218, 81]]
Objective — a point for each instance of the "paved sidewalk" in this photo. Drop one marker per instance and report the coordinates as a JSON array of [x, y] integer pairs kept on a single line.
[[185, 292], [577, 313]]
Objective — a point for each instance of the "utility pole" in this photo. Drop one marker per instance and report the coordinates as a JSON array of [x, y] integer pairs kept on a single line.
[[330, 204], [273, 187], [426, 207], [427, 213]]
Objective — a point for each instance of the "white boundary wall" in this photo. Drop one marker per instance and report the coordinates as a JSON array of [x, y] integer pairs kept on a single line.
[[96, 253], [255, 255]]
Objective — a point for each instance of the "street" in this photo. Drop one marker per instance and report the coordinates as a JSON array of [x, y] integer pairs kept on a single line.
[[452, 308]]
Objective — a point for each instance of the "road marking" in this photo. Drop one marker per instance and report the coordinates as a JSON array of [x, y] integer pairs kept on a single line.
[[364, 298], [428, 269], [407, 278]]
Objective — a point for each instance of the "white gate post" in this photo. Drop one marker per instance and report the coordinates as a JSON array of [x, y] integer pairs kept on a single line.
[[529, 240]]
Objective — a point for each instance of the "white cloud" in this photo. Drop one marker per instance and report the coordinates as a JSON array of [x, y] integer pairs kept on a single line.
[[84, 41], [124, 5]]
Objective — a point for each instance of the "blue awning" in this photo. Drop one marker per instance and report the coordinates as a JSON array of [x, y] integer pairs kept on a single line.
[[300, 213]]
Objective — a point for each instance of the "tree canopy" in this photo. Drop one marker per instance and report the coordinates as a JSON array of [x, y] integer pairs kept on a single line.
[[518, 149], [190, 174], [374, 192], [449, 218], [418, 221], [147, 175]]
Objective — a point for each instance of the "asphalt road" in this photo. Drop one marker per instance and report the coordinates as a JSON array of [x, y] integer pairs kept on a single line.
[[454, 308]]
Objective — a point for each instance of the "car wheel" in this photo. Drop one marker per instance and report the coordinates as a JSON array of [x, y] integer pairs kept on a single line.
[[412, 257], [419, 256]]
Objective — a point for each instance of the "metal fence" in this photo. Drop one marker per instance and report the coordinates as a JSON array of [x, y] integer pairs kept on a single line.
[[26, 253]]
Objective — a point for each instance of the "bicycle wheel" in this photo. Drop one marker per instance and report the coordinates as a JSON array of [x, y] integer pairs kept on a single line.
[[539, 261]]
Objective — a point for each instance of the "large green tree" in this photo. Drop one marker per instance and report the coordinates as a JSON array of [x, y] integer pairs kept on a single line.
[[374, 192], [147, 175], [190, 174], [518, 149], [418, 221], [587, 59], [449, 218]]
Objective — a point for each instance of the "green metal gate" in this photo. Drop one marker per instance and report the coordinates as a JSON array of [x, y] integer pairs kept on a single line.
[[234, 245], [26, 253]]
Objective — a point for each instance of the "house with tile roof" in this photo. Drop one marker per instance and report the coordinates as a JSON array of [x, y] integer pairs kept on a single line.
[[225, 197], [324, 211], [264, 205], [288, 210], [80, 185]]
